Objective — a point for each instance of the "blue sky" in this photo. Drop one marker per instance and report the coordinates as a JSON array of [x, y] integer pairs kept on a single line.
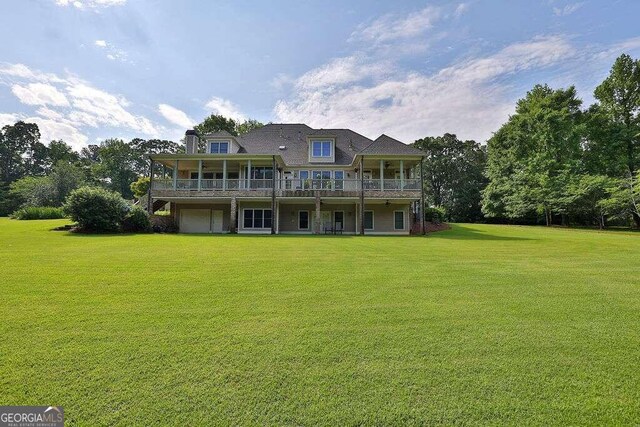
[[85, 70]]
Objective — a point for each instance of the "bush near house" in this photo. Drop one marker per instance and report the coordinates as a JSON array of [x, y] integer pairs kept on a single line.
[[136, 221], [38, 212], [163, 223], [96, 209]]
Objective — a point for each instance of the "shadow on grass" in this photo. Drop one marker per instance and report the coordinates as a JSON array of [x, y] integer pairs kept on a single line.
[[461, 232]]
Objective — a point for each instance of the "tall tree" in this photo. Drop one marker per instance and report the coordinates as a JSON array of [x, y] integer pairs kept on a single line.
[[619, 98], [20, 150], [454, 175], [117, 166], [534, 155], [217, 123]]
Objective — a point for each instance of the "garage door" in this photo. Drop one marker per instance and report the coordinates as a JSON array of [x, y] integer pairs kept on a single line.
[[195, 220]]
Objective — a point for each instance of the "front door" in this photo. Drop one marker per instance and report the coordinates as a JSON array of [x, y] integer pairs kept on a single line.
[[216, 219]]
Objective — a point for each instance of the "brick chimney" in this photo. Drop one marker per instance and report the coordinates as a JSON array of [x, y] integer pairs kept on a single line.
[[191, 141]]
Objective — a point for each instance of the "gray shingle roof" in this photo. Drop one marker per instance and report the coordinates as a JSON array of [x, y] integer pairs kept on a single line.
[[386, 145], [269, 138]]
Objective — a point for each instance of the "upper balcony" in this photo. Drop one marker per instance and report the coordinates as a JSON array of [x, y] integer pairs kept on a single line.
[[407, 187]]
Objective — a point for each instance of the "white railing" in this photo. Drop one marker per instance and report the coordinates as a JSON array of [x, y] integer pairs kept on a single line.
[[288, 184]]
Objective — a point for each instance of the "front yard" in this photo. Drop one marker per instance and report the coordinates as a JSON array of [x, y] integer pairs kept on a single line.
[[477, 325]]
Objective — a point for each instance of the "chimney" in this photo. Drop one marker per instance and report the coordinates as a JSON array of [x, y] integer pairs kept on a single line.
[[191, 140]]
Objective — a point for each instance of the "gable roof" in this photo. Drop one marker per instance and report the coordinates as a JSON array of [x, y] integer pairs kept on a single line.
[[384, 144], [294, 137]]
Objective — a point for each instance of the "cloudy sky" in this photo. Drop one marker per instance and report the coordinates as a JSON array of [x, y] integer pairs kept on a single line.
[[85, 70]]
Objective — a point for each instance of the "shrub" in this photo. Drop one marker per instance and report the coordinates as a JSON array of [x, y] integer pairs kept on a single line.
[[140, 188], [136, 221], [163, 224], [96, 209], [435, 214], [38, 212]]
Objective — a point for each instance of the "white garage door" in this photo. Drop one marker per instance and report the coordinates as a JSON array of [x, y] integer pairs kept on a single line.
[[195, 220]]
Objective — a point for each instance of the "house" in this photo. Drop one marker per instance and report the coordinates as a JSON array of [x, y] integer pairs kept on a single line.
[[290, 178]]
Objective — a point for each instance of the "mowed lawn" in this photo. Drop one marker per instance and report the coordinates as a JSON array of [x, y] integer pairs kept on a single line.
[[481, 324]]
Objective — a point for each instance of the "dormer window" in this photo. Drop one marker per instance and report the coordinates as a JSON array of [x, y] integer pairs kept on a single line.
[[218, 147], [321, 150]]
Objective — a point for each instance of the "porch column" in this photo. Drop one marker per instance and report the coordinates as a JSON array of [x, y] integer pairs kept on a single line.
[[401, 174], [276, 218], [175, 176], [233, 216], [422, 196], [318, 219], [199, 174], [249, 177], [224, 174], [149, 201], [381, 174], [356, 218]]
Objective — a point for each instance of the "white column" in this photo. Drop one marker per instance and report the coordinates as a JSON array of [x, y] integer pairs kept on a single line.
[[199, 174], [175, 176], [224, 174], [381, 174], [356, 218], [249, 176], [401, 174]]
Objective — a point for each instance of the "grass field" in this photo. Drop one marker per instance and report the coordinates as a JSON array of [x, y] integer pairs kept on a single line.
[[478, 325]]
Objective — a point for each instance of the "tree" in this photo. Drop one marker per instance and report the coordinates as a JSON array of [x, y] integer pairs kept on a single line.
[[454, 175], [142, 147], [49, 190], [117, 166], [247, 126], [619, 98], [17, 143], [59, 151], [140, 187], [217, 123], [534, 154]]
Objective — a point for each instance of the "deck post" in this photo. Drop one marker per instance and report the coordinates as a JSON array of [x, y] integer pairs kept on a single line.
[[273, 195], [199, 174], [224, 174], [249, 176], [362, 196], [381, 175], [317, 224], [401, 175], [422, 196], [233, 215], [149, 201], [175, 176]]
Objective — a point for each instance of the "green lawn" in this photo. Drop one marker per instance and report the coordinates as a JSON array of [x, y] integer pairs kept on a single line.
[[478, 325]]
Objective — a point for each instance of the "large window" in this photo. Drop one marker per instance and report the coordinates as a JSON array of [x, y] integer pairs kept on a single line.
[[219, 147], [257, 218], [321, 148], [368, 220], [338, 176], [303, 220], [398, 220]]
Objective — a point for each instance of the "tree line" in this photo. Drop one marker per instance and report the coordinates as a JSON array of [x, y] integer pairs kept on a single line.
[[552, 162]]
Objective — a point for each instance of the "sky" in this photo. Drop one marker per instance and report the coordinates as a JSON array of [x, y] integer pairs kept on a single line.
[[87, 70]]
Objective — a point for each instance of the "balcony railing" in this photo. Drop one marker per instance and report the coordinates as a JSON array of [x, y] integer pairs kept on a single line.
[[288, 184]]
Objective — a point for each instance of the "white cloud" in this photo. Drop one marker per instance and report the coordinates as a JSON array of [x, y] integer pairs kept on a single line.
[[90, 4], [465, 98], [461, 9], [8, 119], [67, 105], [567, 9], [225, 108], [39, 94], [101, 43], [175, 116], [392, 27], [112, 52], [340, 71]]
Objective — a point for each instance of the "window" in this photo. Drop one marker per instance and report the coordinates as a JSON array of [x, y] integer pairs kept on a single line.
[[339, 176], [256, 218], [321, 148], [304, 180], [321, 179], [368, 220], [338, 220], [219, 147], [303, 220], [398, 220]]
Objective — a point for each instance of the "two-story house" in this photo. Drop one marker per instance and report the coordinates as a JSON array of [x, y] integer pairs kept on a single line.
[[290, 178]]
